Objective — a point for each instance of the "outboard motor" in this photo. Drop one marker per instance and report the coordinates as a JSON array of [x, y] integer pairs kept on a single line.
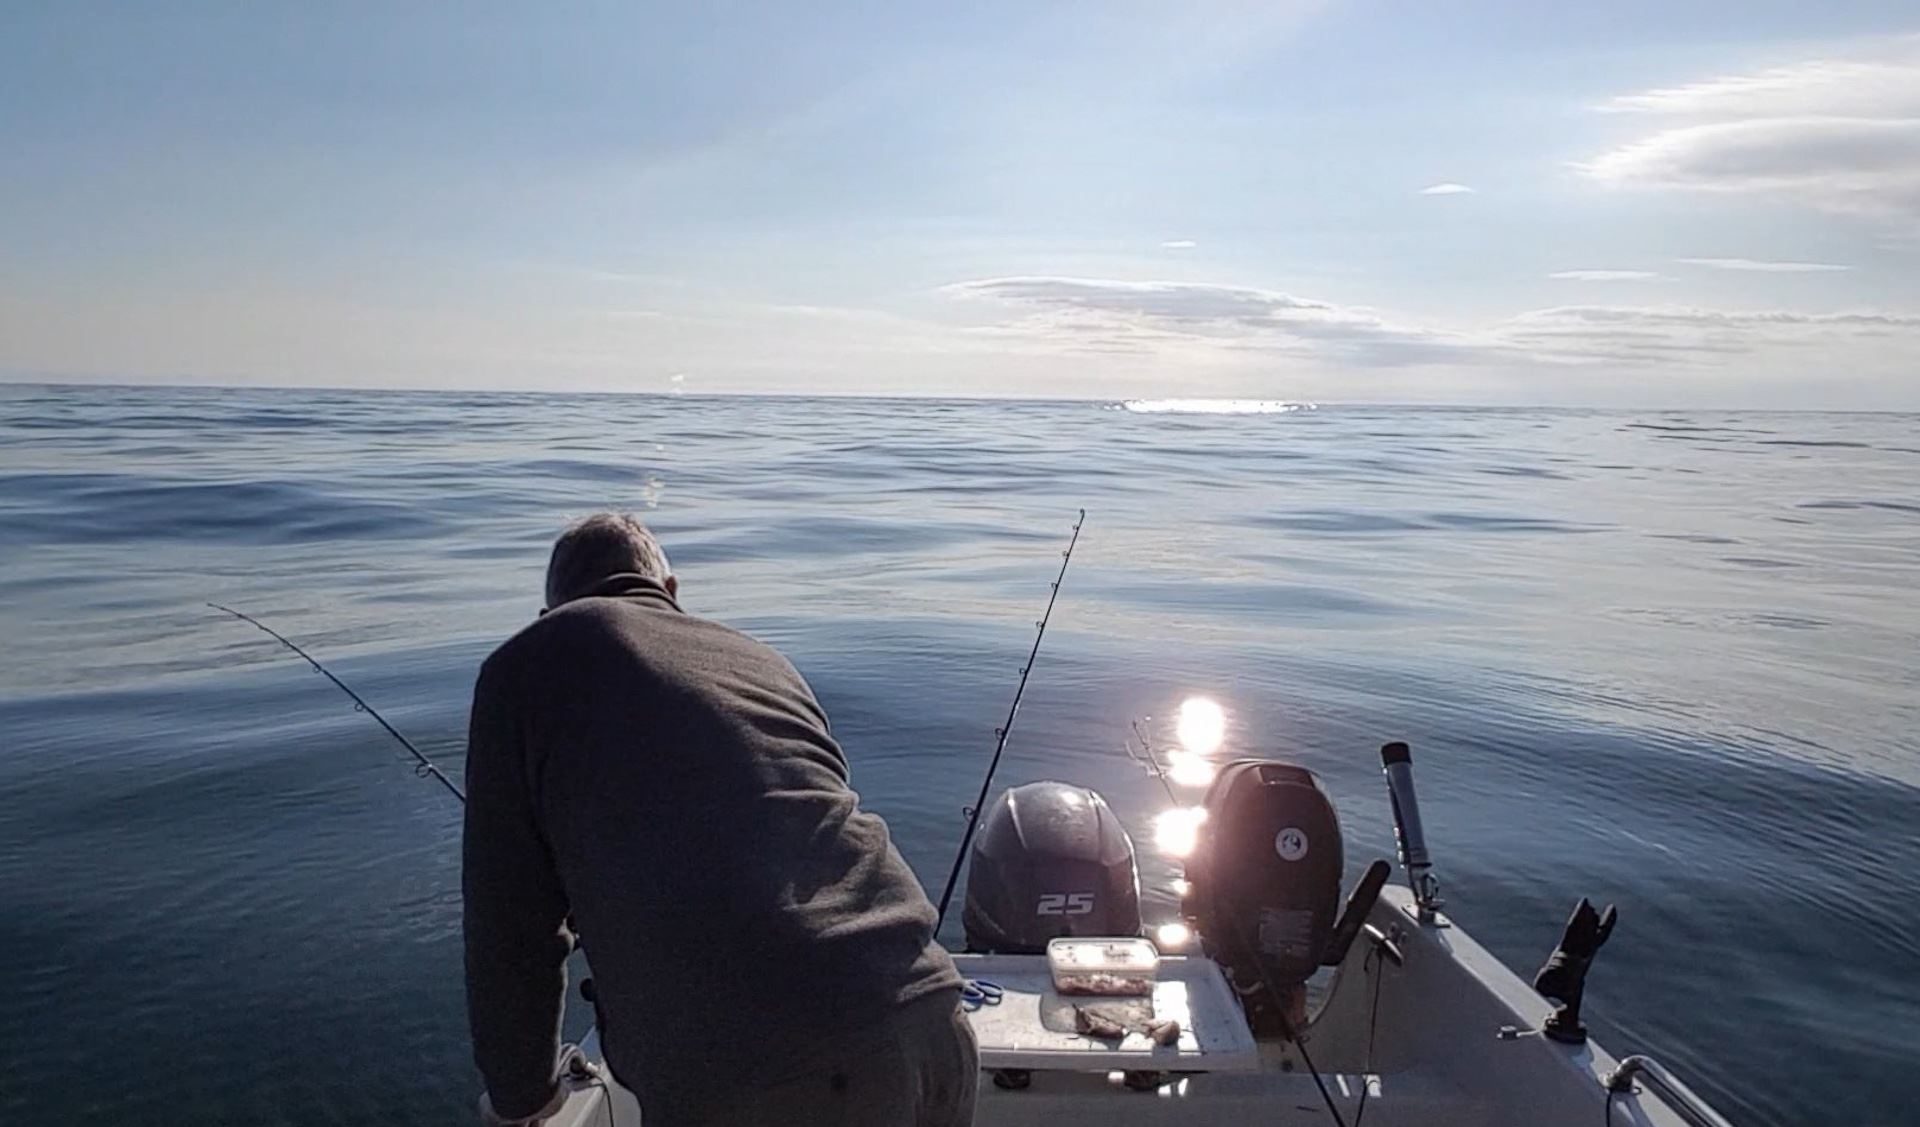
[[1264, 881], [1051, 860]]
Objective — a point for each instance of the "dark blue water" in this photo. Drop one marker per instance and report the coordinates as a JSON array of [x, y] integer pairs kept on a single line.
[[1666, 660]]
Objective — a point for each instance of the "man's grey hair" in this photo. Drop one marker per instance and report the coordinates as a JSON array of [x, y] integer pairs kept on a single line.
[[598, 547]]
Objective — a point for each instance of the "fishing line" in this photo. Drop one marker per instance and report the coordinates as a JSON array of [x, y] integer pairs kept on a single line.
[[1279, 1000], [426, 766], [1152, 761], [1373, 1024], [1287, 1026], [973, 812]]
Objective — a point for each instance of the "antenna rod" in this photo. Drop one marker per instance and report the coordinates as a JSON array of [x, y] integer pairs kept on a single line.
[[973, 812], [426, 767]]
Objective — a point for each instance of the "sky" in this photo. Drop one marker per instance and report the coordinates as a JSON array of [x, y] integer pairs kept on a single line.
[[1642, 204]]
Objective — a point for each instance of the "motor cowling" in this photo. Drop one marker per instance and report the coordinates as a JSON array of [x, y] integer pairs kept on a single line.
[[1050, 860], [1264, 875]]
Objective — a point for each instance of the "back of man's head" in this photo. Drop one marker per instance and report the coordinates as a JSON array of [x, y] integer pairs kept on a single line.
[[601, 546]]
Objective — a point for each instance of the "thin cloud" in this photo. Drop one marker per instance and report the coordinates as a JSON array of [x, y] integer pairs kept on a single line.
[[1194, 321], [1447, 189], [1178, 244], [1838, 134], [1602, 275], [1764, 267], [1848, 165], [1693, 316], [1877, 81], [1662, 335], [1141, 316]]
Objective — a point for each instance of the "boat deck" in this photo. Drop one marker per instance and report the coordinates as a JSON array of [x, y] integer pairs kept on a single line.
[[1455, 1043]]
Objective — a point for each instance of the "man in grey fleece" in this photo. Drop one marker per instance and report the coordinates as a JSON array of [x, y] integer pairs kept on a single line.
[[666, 785]]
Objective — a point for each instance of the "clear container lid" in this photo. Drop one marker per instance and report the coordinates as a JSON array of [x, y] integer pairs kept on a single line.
[[1118, 965]]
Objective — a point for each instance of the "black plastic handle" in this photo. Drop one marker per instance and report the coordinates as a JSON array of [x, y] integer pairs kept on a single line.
[[1354, 916]]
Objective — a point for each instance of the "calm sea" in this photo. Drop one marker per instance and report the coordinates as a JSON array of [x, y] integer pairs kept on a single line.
[[1670, 661]]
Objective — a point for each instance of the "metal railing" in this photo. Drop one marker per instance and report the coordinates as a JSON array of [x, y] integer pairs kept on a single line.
[[1684, 1101]]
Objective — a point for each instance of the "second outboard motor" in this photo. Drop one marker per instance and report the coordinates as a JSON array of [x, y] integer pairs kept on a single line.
[[1264, 877], [1050, 860]]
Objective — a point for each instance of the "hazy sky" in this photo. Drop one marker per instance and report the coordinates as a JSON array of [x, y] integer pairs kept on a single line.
[[1627, 203]]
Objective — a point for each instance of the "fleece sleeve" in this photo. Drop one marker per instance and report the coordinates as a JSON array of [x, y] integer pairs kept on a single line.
[[515, 911]]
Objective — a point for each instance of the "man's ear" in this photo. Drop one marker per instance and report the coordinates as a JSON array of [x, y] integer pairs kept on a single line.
[[673, 586]]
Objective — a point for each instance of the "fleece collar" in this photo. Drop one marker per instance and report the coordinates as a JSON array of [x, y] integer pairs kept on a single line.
[[627, 585]]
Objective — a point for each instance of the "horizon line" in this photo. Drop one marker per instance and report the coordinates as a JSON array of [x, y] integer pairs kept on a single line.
[[189, 383]]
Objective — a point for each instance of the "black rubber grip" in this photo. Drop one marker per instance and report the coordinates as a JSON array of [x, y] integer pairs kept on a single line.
[[1395, 752], [1359, 905]]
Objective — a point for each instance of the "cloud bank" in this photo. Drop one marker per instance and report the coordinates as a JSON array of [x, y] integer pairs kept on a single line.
[[1117, 314], [1144, 317], [1602, 275], [1838, 134], [1763, 267], [1656, 335]]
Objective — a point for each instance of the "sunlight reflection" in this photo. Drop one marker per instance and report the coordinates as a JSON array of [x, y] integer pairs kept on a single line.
[[1173, 936], [1177, 831], [1202, 725], [1188, 770]]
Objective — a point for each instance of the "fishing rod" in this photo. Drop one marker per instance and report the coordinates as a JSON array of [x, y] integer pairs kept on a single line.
[[426, 767], [1000, 733], [1151, 761]]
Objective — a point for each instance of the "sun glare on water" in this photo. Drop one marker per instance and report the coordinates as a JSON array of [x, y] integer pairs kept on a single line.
[[1202, 725], [1177, 831], [1214, 406], [1188, 770]]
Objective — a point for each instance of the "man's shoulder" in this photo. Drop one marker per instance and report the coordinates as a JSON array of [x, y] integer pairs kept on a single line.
[[552, 633], [585, 621], [581, 628], [556, 630]]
